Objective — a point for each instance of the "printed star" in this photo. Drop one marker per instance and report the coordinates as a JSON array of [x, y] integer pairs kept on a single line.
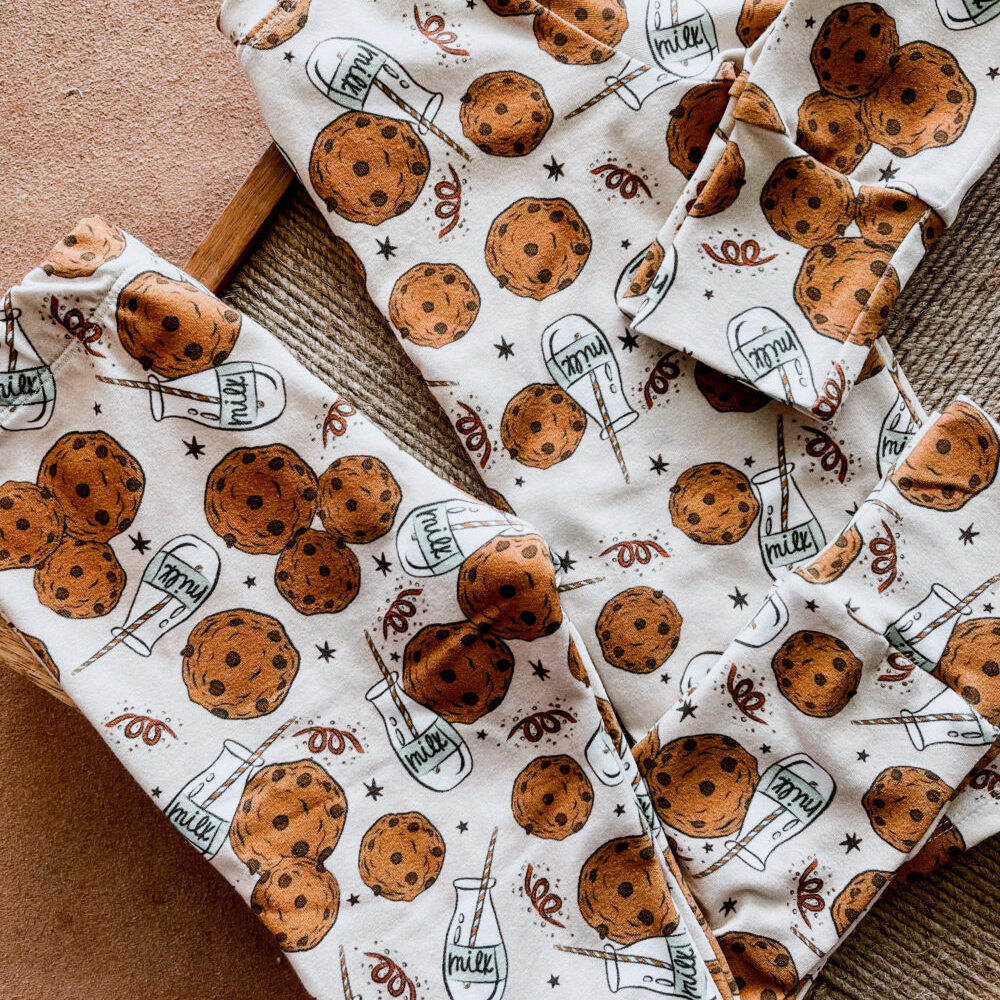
[[630, 341], [748, 461], [372, 790], [382, 564], [887, 173], [471, 4], [538, 670], [394, 656], [851, 607], [852, 842], [553, 981], [385, 248], [708, 848], [739, 599], [966, 535], [325, 651], [811, 604], [156, 792], [565, 563], [506, 350], [765, 748], [462, 826], [810, 22], [289, 56], [626, 244], [862, 755], [193, 448], [658, 465], [619, 810], [139, 544], [994, 72], [481, 734], [853, 510], [250, 581], [519, 481], [729, 906], [555, 169], [97, 409], [353, 899], [686, 709], [987, 608], [709, 293], [665, 678]]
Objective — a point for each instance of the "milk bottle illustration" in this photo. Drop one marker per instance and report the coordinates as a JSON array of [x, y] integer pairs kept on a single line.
[[697, 669], [938, 722], [681, 36], [898, 427], [769, 355], [767, 624], [428, 746], [922, 632], [788, 532], [204, 808], [961, 14], [475, 959], [27, 388], [789, 796], [435, 538], [641, 306], [603, 757], [679, 971], [636, 81]]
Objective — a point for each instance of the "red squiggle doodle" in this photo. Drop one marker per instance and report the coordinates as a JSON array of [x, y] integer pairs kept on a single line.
[[664, 372], [745, 254], [434, 31], [533, 727], [449, 194], [148, 728], [987, 780], [335, 421], [545, 903], [884, 552], [327, 738], [400, 612], [831, 395], [808, 898], [388, 974], [635, 551], [626, 183], [74, 323], [823, 447], [745, 697], [901, 664], [476, 439]]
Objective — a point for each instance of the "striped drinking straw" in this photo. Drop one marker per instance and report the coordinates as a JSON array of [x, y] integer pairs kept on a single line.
[[249, 762], [484, 883]]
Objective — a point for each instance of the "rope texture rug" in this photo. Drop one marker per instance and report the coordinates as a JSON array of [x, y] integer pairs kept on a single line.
[[931, 941]]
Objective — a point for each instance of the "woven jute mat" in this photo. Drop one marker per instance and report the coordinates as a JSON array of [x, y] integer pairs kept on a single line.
[[934, 940]]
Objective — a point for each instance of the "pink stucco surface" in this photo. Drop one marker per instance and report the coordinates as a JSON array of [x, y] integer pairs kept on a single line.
[[136, 111]]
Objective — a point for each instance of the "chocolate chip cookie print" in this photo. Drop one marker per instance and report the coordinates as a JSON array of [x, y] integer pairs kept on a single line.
[[81, 252]]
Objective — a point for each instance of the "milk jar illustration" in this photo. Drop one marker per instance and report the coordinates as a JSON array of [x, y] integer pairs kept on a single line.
[[681, 36], [27, 388], [697, 669], [427, 746], [898, 428], [789, 796], [641, 306], [204, 808], [790, 539], [361, 77], [475, 960], [770, 356], [603, 757], [922, 632], [767, 624], [636, 81], [666, 965], [435, 538], [938, 722], [960, 14]]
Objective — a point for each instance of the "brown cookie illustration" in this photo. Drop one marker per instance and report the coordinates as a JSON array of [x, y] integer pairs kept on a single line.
[[286, 20], [830, 129], [81, 252], [846, 289], [498, 500], [852, 900], [358, 498], [872, 366], [638, 629], [902, 802], [558, 33], [259, 499], [457, 671], [807, 202], [762, 967], [693, 122], [953, 460], [577, 668], [537, 247], [297, 902], [817, 673], [95, 481], [39, 668], [852, 52], [755, 108], [723, 186], [647, 271], [941, 848], [756, 16], [885, 216], [713, 504], [970, 665], [505, 113], [924, 102], [367, 168], [433, 304], [510, 8], [508, 586], [726, 394], [31, 525], [832, 562], [173, 327], [81, 579], [317, 573], [552, 797], [701, 785], [401, 855], [611, 724], [542, 425], [931, 227], [239, 664], [293, 810]]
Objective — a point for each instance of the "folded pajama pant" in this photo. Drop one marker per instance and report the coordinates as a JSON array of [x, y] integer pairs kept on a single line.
[[645, 276]]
